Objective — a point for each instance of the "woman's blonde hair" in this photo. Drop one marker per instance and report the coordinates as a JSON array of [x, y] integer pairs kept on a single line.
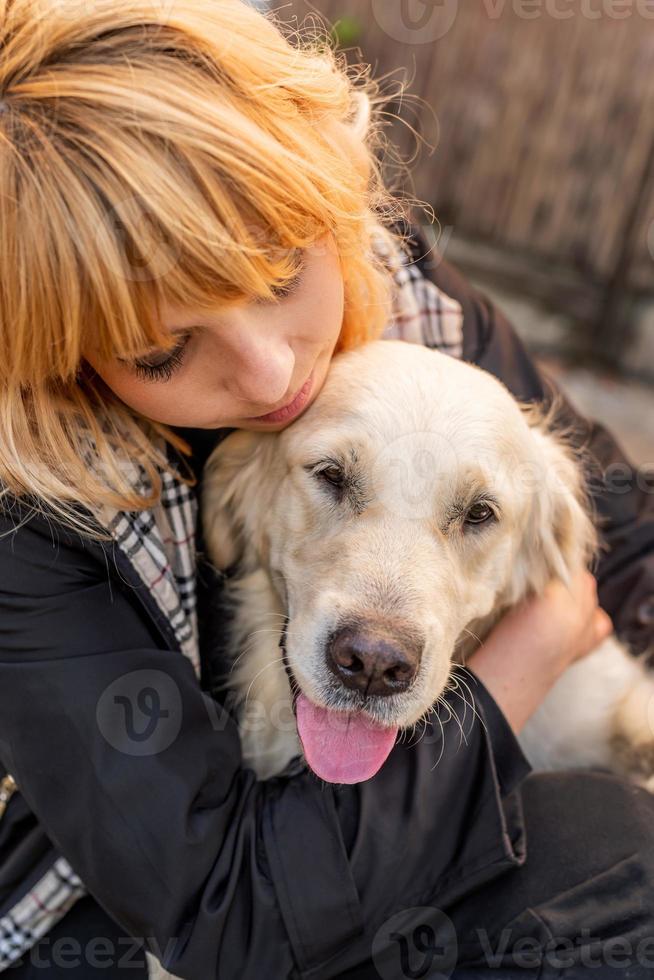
[[161, 151]]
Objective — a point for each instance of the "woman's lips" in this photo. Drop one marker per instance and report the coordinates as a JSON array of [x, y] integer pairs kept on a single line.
[[292, 409]]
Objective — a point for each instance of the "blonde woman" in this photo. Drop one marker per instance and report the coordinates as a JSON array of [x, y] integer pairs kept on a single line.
[[193, 222]]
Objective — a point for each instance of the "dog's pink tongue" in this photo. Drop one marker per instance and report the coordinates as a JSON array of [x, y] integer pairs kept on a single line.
[[341, 747]]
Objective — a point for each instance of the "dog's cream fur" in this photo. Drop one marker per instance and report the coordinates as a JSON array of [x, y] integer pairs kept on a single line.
[[418, 437]]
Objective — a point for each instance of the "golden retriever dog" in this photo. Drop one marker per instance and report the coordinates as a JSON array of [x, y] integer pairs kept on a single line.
[[374, 543]]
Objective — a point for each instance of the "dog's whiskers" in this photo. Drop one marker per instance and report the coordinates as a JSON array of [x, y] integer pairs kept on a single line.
[[473, 635], [439, 700], [247, 649], [273, 663], [456, 683], [254, 633]]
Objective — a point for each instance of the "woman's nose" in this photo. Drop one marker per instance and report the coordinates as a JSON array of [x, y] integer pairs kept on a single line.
[[260, 371]]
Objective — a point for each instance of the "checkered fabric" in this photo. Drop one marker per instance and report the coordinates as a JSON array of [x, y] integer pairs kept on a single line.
[[38, 910], [422, 313], [159, 543]]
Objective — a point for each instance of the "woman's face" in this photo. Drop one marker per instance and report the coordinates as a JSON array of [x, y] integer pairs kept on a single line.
[[232, 367]]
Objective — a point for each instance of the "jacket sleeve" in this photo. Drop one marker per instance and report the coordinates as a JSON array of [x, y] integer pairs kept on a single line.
[[622, 493], [136, 776]]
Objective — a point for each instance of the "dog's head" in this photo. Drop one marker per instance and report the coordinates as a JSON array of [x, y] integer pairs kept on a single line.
[[413, 501]]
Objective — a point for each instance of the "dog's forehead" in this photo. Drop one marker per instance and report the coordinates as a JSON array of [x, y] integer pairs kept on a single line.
[[386, 389]]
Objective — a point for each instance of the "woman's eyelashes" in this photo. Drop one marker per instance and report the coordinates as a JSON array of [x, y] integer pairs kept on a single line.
[[290, 286], [281, 292], [162, 367]]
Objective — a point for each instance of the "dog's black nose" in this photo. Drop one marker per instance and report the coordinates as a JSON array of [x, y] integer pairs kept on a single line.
[[372, 663]]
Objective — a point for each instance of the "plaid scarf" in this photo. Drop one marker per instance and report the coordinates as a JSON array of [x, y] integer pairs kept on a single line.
[[160, 545]]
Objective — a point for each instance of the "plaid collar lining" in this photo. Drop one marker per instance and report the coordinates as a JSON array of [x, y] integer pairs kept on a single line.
[[160, 545]]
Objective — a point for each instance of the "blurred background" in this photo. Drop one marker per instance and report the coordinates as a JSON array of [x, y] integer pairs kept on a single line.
[[535, 121]]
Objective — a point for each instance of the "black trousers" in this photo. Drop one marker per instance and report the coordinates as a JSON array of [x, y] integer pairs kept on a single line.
[[582, 905]]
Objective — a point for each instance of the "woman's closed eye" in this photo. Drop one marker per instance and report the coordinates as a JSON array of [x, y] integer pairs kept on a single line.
[[281, 292], [162, 366]]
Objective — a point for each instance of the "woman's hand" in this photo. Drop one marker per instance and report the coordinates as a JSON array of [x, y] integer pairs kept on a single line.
[[534, 643]]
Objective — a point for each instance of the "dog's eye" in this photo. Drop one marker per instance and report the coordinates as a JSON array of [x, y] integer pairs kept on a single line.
[[333, 475], [479, 513]]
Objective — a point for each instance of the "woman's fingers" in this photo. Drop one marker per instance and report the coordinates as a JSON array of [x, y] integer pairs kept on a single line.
[[596, 624]]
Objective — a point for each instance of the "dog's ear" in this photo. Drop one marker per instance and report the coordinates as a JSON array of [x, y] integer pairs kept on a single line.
[[560, 537], [234, 498]]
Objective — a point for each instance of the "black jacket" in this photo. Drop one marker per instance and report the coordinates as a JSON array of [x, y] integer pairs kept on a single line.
[[288, 878]]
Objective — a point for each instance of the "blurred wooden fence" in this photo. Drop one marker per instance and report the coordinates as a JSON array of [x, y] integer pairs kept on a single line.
[[543, 123]]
